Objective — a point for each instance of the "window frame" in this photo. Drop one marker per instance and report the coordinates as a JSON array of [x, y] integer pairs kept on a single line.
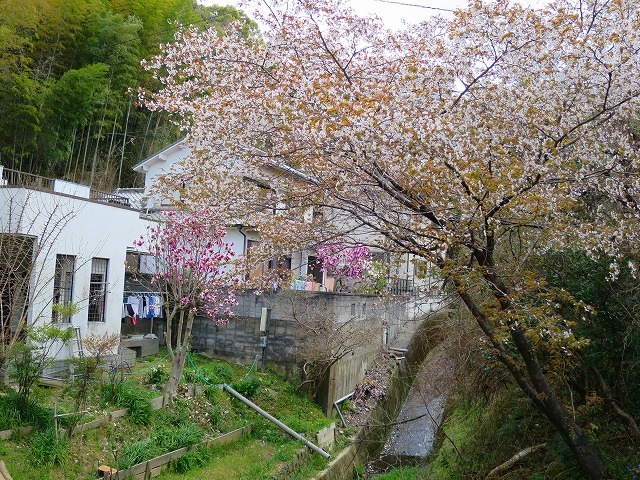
[[98, 289], [63, 286]]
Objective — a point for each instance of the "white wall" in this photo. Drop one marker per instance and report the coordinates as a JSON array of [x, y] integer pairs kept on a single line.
[[84, 229]]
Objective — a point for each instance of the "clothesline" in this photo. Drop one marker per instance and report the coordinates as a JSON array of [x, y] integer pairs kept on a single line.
[[141, 305]]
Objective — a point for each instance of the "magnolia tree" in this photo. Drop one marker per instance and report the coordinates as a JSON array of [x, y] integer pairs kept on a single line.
[[193, 273], [345, 262], [475, 143]]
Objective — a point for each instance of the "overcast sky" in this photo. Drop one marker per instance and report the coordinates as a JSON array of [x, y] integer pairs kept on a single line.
[[391, 11]]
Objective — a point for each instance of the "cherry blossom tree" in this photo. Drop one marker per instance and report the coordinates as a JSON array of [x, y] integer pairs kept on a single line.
[[475, 143], [193, 271]]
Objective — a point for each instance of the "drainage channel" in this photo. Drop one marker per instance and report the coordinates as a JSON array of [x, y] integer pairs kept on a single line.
[[415, 430]]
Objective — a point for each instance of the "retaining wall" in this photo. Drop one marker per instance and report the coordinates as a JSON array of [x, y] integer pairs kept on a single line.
[[239, 340], [371, 438]]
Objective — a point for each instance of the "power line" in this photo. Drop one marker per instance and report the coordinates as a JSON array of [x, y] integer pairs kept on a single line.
[[415, 5]]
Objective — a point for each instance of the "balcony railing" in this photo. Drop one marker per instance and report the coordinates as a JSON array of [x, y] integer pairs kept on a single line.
[[16, 178], [12, 178]]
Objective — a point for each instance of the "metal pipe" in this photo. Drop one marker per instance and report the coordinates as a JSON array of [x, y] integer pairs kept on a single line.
[[337, 407], [272, 419]]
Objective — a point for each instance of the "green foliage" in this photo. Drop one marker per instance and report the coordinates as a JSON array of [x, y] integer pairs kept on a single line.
[[404, 473], [376, 280], [168, 439], [217, 372], [190, 377], [65, 310], [216, 416], [16, 412], [65, 71], [193, 459], [268, 432], [157, 376], [347, 406], [175, 437], [138, 452], [29, 358], [178, 414], [247, 386], [213, 394], [45, 449], [132, 397], [612, 327]]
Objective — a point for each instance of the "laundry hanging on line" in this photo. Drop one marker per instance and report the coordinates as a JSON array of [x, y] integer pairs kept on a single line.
[[141, 306]]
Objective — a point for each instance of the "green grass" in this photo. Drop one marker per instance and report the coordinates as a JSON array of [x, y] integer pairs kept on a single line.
[[233, 461], [126, 442], [405, 473]]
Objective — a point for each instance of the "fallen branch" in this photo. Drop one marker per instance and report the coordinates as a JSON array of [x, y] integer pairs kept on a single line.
[[503, 467]]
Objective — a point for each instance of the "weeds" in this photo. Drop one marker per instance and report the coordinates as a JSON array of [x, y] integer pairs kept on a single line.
[[173, 438], [157, 376], [247, 386], [193, 459], [132, 397], [139, 452], [48, 450]]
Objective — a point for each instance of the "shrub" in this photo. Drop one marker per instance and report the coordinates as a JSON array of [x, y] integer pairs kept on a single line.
[[138, 452], [248, 386], [193, 459], [157, 376], [46, 450]]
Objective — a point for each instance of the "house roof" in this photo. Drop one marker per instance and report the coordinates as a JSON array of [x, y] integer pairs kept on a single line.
[[139, 167], [182, 143]]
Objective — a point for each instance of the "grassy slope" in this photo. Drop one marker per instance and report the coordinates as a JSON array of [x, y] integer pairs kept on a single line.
[[265, 451]]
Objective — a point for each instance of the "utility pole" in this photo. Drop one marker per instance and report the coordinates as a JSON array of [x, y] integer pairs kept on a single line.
[[265, 320], [265, 317]]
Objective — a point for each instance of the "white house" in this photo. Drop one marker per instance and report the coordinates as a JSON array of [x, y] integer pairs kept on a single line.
[[241, 236], [405, 273], [79, 241]]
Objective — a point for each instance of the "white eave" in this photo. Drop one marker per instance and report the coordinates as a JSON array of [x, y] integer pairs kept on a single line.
[[162, 155]]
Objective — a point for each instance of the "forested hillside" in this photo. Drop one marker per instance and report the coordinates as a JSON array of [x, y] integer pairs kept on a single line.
[[69, 73]]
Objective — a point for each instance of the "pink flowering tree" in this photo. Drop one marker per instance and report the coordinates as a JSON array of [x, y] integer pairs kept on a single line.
[[345, 262], [193, 273], [342, 260]]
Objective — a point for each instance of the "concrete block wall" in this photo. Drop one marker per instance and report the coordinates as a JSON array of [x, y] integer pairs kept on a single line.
[[347, 372], [239, 340]]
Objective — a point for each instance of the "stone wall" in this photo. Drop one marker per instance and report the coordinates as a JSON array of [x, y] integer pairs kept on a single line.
[[239, 340]]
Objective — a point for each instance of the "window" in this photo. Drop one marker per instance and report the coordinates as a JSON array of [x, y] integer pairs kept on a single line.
[[63, 285], [16, 267], [98, 289], [314, 268], [140, 263]]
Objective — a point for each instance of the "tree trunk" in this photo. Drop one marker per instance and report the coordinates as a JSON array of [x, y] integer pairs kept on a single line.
[[178, 358], [530, 376], [177, 366]]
